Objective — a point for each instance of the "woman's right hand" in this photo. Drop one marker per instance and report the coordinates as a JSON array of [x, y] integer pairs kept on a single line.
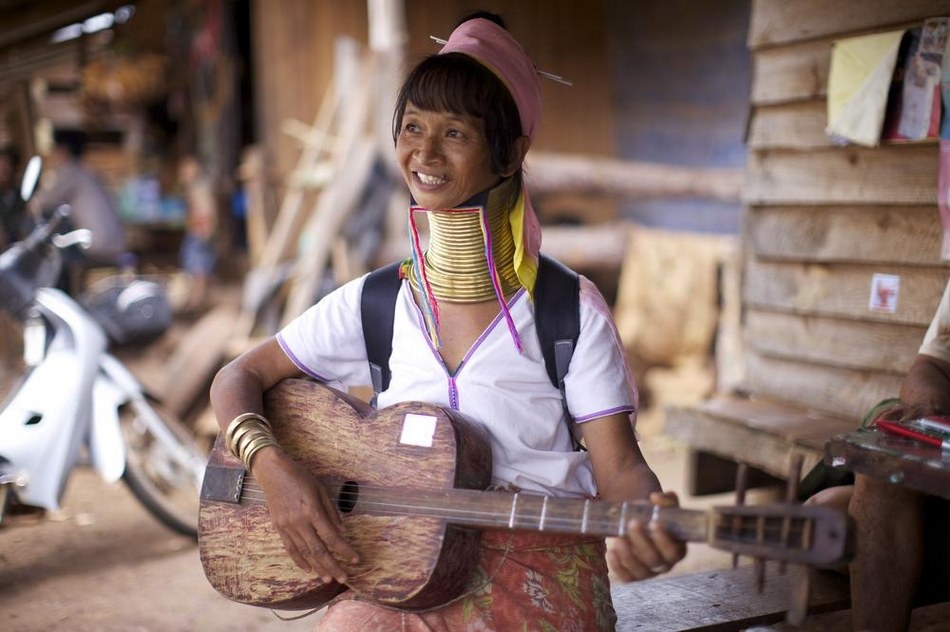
[[304, 515]]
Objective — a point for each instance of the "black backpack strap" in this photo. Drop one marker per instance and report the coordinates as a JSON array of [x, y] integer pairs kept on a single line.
[[557, 317], [377, 308]]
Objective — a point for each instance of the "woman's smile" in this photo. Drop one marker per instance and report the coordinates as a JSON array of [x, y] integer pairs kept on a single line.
[[444, 157], [429, 180]]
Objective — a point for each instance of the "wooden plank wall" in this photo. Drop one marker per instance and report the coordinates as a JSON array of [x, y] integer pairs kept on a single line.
[[820, 220]]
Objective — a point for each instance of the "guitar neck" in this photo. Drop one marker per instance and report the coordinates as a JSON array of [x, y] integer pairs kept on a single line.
[[528, 512], [807, 535]]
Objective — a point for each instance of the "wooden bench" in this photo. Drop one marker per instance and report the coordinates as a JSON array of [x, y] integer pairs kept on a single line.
[[765, 434], [720, 600]]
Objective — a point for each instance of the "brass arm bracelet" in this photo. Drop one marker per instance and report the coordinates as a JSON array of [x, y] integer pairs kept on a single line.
[[239, 426], [254, 445]]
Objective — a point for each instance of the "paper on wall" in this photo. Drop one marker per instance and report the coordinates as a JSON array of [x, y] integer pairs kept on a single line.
[[858, 84]]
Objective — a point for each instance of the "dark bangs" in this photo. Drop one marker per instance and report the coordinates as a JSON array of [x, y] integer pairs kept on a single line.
[[458, 84]]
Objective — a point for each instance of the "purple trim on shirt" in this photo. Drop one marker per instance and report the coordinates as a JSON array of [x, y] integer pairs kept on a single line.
[[300, 365], [604, 413], [420, 318], [488, 330], [453, 393]]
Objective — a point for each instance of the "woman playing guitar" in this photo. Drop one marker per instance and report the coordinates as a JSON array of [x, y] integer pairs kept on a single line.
[[464, 338]]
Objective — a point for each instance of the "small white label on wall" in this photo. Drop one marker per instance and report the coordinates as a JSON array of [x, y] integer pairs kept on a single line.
[[418, 430], [885, 289]]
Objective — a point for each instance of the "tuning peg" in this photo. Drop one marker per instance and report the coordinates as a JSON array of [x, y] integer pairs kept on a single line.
[[794, 474], [742, 483], [759, 568], [800, 588], [791, 496]]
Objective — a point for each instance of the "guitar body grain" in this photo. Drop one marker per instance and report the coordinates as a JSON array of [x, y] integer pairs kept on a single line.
[[411, 562]]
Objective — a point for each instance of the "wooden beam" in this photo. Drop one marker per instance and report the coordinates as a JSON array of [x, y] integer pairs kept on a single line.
[[352, 164], [799, 125], [840, 342], [841, 290], [334, 204], [791, 73], [197, 357], [592, 175], [583, 247], [291, 215], [774, 22], [766, 434], [708, 473], [905, 174], [845, 392], [857, 234]]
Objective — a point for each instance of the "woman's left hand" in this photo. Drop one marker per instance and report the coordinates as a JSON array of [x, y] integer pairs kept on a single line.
[[648, 549]]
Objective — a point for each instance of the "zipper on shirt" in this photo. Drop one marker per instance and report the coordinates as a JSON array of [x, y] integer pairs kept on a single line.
[[453, 393]]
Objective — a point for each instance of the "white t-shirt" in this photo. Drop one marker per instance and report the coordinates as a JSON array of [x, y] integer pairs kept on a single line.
[[509, 393], [937, 340]]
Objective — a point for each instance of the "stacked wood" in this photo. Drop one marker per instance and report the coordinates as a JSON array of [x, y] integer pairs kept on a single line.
[[667, 306], [671, 312], [334, 170]]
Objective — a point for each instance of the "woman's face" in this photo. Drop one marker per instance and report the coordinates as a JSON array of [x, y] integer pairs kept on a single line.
[[444, 157]]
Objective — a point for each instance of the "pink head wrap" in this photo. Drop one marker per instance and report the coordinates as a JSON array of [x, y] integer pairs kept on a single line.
[[495, 48]]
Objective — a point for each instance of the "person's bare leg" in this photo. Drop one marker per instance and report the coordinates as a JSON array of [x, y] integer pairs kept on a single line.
[[889, 555], [839, 498]]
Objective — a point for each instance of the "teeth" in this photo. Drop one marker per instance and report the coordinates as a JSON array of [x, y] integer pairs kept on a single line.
[[429, 180]]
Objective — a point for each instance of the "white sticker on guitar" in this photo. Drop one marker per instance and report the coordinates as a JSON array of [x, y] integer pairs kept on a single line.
[[418, 430]]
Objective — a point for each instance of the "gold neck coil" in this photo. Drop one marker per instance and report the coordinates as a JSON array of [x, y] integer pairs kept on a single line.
[[455, 262]]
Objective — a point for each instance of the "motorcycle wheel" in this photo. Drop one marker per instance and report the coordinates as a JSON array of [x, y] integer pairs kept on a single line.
[[166, 487]]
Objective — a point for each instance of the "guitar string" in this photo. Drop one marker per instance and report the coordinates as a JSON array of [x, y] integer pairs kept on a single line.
[[766, 537], [413, 501], [774, 527]]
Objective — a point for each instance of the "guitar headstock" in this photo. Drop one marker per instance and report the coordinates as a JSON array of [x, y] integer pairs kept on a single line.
[[798, 534]]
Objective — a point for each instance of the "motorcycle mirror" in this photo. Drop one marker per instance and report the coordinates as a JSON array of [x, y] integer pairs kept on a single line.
[[31, 177]]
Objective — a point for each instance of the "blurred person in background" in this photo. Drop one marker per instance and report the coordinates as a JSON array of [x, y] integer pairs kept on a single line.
[[198, 256], [91, 206]]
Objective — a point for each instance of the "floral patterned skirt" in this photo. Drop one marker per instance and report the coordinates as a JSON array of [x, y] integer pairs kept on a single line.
[[524, 581]]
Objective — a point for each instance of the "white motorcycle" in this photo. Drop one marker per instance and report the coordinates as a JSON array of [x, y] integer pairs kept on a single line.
[[75, 400]]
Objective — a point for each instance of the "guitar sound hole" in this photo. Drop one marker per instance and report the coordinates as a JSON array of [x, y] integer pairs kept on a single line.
[[349, 493]]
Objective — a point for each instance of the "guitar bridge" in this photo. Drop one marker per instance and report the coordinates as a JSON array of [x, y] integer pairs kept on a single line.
[[223, 484]]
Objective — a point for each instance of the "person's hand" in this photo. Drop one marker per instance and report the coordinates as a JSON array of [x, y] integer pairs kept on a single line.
[[303, 515], [648, 549], [902, 412]]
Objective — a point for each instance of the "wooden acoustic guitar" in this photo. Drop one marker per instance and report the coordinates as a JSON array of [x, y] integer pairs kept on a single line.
[[409, 481]]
